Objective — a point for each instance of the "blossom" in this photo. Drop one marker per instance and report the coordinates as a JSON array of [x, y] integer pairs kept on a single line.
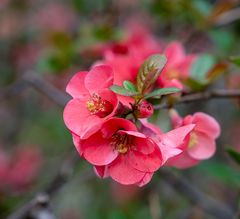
[[178, 66], [92, 102], [170, 143], [201, 144], [126, 56], [18, 171], [118, 150]]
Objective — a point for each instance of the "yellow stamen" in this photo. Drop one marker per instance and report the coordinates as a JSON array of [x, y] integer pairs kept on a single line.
[[193, 140]]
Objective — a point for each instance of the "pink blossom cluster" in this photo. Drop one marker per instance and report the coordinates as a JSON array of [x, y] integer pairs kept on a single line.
[[111, 131], [17, 171]]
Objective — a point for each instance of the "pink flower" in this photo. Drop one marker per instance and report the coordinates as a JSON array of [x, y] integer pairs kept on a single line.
[[92, 103], [118, 150], [127, 56], [18, 171], [170, 143], [178, 66], [201, 143], [24, 167], [143, 109]]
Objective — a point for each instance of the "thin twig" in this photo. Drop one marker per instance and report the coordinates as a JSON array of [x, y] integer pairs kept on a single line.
[[228, 17], [206, 95], [207, 203], [32, 79], [40, 202]]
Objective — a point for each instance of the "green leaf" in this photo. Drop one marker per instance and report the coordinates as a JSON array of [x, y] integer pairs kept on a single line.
[[129, 86], [201, 67], [122, 91], [195, 85], [162, 91], [235, 60], [149, 72], [234, 154], [216, 71]]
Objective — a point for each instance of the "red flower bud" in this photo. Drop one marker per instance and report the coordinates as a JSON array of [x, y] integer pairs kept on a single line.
[[143, 110]]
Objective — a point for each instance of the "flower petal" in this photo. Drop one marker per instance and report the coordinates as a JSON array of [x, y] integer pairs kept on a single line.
[[204, 149], [121, 171], [98, 150], [145, 162], [206, 124], [145, 180], [98, 78], [175, 54], [182, 161], [101, 171], [76, 86], [79, 120], [114, 124]]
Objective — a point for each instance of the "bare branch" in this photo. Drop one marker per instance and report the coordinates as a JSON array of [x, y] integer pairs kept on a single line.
[[40, 203], [206, 95], [207, 203]]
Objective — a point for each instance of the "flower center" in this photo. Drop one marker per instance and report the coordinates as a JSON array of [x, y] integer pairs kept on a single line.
[[99, 107], [121, 142], [193, 140], [172, 74]]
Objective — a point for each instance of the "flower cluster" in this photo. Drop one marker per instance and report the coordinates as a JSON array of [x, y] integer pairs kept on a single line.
[[110, 104]]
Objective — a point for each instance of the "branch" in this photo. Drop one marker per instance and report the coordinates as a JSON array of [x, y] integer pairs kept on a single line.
[[40, 203], [32, 79], [207, 203], [228, 17], [46, 88], [205, 95]]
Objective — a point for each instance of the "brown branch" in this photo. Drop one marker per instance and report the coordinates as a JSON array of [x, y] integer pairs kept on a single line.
[[40, 203], [205, 95], [228, 17], [207, 203], [32, 79], [46, 88]]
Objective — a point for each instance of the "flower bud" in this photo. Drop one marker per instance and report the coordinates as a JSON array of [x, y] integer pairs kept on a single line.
[[143, 110]]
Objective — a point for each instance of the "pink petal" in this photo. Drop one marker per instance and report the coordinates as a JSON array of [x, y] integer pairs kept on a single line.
[[145, 180], [168, 150], [77, 143], [76, 86], [176, 119], [114, 124], [133, 133], [204, 149], [109, 96], [144, 145], [182, 161], [177, 136], [79, 120], [121, 171], [175, 53], [98, 78], [101, 171], [145, 163], [98, 150], [206, 124], [184, 66]]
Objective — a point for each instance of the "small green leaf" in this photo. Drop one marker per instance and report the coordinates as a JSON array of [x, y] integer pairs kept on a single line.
[[201, 67], [162, 91], [149, 72], [234, 154], [122, 91], [129, 86], [235, 60], [216, 71], [195, 85]]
